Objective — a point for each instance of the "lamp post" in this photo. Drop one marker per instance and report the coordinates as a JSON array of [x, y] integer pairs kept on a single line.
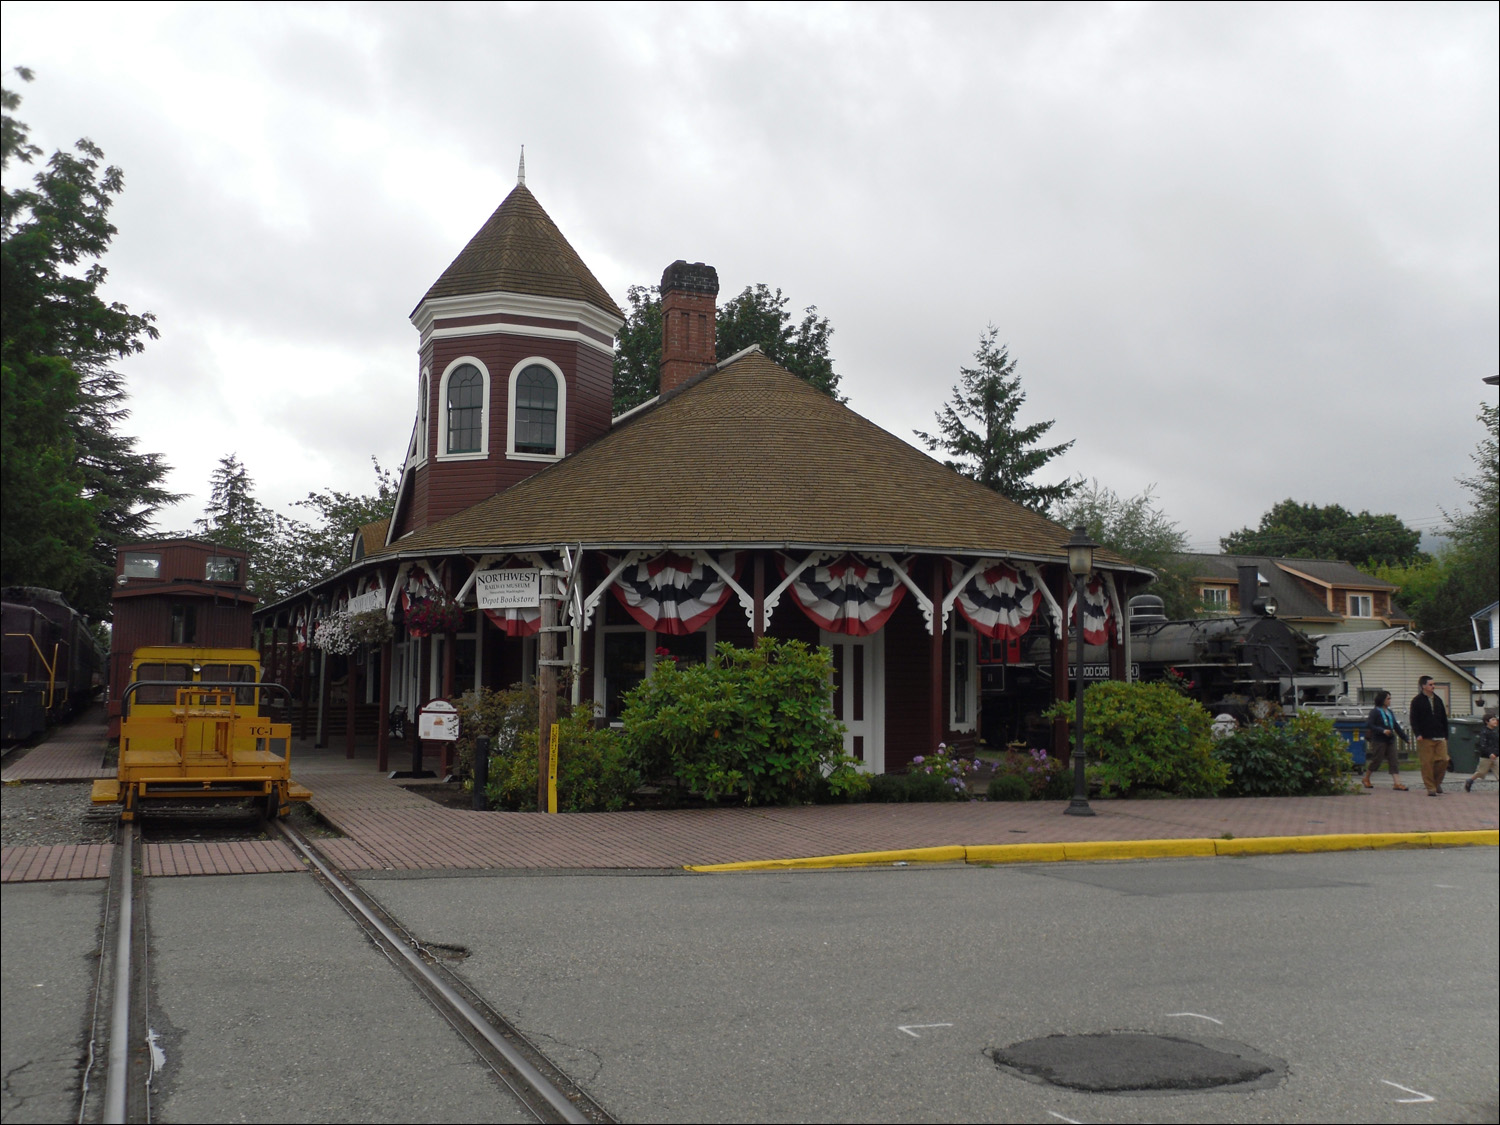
[[1080, 563]]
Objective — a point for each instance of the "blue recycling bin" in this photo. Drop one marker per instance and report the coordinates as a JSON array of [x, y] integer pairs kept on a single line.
[[1352, 731]]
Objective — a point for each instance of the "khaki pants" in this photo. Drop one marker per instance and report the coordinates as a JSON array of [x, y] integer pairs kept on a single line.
[[1486, 766], [1433, 755]]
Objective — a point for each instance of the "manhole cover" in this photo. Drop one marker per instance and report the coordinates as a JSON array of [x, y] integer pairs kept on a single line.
[[1135, 1062]]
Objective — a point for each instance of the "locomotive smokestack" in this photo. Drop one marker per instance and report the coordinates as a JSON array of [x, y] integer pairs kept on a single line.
[[1249, 588]]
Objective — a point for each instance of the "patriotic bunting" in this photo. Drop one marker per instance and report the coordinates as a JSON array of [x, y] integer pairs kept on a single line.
[[1098, 619], [1000, 601], [516, 622], [847, 595], [299, 629], [672, 593]]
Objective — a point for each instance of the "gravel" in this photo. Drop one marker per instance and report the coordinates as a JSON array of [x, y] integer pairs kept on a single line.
[[45, 812]]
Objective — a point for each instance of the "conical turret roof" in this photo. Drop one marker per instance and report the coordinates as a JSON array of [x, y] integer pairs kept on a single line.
[[520, 250]]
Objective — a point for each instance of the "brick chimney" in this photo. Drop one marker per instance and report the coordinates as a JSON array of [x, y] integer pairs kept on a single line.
[[688, 304]]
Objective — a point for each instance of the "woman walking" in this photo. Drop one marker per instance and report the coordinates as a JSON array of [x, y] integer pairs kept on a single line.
[[1381, 729]]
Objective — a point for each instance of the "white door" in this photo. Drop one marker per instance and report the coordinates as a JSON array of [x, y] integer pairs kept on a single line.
[[859, 695]]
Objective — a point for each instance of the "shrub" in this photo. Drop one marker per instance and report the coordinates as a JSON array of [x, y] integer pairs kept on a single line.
[[1037, 771], [751, 725], [938, 777], [889, 788], [593, 771], [1292, 759], [1009, 787], [1147, 736]]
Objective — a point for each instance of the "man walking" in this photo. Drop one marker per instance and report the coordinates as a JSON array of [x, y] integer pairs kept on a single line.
[[1429, 723]]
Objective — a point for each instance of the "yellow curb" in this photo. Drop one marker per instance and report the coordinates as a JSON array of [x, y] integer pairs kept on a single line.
[[1016, 853], [1081, 851], [1137, 849], [951, 854], [1480, 837]]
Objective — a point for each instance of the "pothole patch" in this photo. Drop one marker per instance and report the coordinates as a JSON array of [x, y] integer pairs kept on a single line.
[[1136, 1062]]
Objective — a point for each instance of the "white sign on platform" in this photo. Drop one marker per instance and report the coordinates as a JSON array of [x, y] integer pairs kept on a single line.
[[438, 722], [509, 589], [363, 603]]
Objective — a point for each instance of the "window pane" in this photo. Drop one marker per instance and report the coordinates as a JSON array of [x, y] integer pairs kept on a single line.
[[624, 667], [536, 411], [142, 566], [219, 569], [465, 409]]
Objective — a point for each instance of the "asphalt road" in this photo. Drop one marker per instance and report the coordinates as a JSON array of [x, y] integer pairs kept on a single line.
[[1369, 977], [269, 1004], [50, 935]]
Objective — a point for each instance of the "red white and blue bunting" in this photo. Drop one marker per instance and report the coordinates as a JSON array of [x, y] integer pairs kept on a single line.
[[299, 629], [1000, 601], [848, 595], [674, 594], [1098, 610]]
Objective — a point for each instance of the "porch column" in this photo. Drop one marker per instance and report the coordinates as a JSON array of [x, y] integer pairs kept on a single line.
[[304, 728], [382, 721], [351, 681], [759, 592], [1057, 582], [935, 722], [323, 691]]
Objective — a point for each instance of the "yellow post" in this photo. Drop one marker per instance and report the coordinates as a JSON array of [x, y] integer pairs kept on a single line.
[[552, 771]]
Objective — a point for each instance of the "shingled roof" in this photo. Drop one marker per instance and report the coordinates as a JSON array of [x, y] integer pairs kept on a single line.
[[520, 250], [748, 454]]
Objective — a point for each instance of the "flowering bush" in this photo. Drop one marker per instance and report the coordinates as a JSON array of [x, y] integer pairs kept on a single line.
[[372, 627], [941, 773], [331, 634], [1043, 777], [434, 615]]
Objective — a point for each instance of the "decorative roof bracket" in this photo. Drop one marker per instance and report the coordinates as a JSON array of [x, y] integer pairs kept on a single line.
[[916, 591], [747, 601], [774, 597]]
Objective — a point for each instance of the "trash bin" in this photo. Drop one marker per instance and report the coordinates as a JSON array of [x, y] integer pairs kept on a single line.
[[1463, 744], [1352, 731]]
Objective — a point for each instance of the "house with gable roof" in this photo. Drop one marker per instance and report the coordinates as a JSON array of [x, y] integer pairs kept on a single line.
[[740, 502], [1313, 595]]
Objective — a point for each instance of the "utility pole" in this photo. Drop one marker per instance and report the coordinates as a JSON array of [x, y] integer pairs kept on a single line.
[[546, 676]]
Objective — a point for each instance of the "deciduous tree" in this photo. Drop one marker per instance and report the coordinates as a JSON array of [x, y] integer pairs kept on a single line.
[[1134, 526], [756, 316], [1307, 531], [980, 433]]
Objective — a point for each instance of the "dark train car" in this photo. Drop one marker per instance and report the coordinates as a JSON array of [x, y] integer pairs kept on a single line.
[[51, 661], [1229, 661], [175, 592]]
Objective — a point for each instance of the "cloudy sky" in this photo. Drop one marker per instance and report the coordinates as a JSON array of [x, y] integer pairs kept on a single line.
[[1240, 253]]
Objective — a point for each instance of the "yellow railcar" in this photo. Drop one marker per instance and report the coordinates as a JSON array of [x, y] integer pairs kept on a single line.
[[192, 731]]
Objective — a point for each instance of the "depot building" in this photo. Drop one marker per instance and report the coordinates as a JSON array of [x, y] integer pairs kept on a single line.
[[739, 502]]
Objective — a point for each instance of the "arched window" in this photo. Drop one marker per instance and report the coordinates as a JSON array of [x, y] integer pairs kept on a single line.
[[538, 410], [422, 402], [463, 411]]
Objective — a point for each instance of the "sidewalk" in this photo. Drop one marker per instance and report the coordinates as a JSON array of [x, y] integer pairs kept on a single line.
[[388, 827], [391, 828]]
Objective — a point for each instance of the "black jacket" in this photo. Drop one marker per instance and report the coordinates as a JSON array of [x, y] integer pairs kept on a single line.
[[1429, 719]]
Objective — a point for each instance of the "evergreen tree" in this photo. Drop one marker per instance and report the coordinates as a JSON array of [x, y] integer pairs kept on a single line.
[[995, 451], [72, 486], [756, 316]]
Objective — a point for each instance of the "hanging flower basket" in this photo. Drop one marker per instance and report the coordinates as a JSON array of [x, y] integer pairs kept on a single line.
[[434, 615], [331, 634], [371, 627]]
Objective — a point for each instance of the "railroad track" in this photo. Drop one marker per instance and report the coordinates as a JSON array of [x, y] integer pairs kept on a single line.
[[123, 1060]]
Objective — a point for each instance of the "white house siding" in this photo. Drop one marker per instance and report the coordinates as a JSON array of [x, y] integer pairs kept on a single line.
[[1396, 669]]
